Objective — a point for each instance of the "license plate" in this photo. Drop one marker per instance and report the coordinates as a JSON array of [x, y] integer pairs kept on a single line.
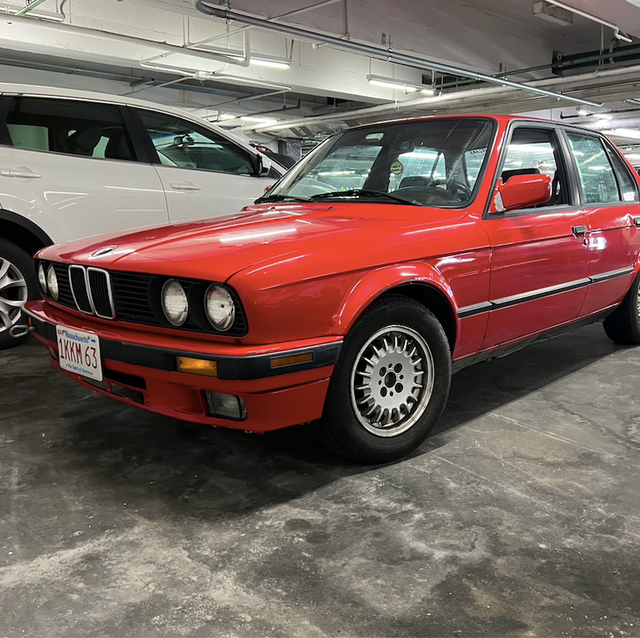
[[79, 352]]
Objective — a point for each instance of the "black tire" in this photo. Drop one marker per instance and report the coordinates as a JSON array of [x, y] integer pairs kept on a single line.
[[15, 267], [623, 325], [354, 422]]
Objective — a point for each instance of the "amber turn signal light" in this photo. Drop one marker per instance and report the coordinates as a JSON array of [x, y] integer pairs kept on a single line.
[[203, 367], [280, 362]]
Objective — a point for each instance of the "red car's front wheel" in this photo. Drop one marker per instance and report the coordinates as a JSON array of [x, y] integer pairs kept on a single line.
[[390, 384]]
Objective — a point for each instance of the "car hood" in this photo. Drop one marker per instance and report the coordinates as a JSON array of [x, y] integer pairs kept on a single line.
[[261, 236]]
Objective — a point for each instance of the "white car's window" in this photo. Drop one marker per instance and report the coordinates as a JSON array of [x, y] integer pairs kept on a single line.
[[598, 181], [184, 144], [69, 126]]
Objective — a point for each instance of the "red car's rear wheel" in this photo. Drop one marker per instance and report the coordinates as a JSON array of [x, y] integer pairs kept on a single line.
[[623, 325]]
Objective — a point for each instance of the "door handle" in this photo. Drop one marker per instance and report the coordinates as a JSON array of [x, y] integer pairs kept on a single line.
[[579, 231], [20, 172], [24, 173], [185, 186]]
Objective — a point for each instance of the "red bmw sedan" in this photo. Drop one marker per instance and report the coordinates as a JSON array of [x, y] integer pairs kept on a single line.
[[392, 256]]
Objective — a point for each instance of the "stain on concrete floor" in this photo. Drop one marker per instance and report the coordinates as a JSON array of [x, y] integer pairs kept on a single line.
[[520, 516]]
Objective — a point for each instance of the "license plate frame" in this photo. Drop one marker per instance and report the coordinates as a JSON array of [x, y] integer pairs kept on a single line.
[[79, 352]]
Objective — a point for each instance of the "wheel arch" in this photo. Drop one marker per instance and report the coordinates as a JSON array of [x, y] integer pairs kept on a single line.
[[419, 282], [23, 232]]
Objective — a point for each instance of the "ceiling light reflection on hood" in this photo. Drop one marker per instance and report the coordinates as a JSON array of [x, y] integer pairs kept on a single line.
[[255, 235]]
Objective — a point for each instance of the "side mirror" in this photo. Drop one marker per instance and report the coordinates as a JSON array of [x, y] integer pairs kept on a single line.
[[521, 191], [262, 164]]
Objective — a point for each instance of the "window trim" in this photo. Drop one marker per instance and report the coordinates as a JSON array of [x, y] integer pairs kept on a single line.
[[556, 131]]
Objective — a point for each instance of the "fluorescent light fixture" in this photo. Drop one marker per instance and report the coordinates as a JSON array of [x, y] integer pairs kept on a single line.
[[429, 92], [603, 116], [392, 83], [582, 111], [616, 30], [633, 134], [272, 64], [552, 13], [224, 117], [257, 120]]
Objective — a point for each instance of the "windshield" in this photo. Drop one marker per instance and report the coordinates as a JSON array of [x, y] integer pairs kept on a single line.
[[434, 162]]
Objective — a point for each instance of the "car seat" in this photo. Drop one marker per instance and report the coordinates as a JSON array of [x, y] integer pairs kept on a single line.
[[83, 142]]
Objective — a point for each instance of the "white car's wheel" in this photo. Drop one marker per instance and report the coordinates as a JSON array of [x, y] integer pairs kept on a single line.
[[17, 285]]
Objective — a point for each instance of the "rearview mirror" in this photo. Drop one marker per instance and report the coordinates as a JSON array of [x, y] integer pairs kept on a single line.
[[521, 191]]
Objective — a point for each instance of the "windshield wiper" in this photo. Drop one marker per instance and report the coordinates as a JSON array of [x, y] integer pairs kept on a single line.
[[280, 198], [363, 192]]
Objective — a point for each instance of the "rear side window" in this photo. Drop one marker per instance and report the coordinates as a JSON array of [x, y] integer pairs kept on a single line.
[[626, 183], [184, 144], [70, 127], [598, 180]]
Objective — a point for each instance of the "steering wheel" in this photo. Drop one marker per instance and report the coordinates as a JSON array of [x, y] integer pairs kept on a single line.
[[461, 191]]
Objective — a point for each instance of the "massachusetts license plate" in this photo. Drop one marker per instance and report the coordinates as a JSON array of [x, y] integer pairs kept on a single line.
[[79, 352]]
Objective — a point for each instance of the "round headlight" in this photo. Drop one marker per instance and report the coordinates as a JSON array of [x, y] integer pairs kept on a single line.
[[52, 282], [174, 302], [42, 278], [220, 307]]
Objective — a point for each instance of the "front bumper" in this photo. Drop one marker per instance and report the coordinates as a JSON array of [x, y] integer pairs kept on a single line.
[[139, 368]]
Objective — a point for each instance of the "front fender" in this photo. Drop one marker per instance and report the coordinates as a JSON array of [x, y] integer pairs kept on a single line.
[[375, 283]]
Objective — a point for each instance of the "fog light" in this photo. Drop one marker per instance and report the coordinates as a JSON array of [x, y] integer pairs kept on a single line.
[[226, 406], [203, 367]]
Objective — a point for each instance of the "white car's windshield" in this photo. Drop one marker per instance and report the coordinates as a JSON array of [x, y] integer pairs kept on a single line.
[[422, 162]]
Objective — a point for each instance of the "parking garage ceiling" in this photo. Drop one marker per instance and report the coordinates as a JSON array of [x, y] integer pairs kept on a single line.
[[336, 63]]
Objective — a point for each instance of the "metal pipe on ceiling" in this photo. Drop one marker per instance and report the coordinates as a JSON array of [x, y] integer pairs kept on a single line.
[[243, 59], [469, 97], [288, 14], [30, 7], [578, 61], [377, 52]]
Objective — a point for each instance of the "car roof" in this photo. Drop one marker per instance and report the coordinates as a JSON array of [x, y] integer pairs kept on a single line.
[[501, 120], [97, 96]]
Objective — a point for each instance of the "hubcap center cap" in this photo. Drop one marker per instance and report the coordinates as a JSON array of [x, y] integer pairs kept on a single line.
[[390, 380]]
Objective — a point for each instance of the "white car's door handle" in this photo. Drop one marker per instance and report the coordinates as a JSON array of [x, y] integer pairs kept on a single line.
[[24, 173], [185, 186]]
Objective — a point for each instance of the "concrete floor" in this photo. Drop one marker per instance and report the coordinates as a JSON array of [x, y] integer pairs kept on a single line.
[[520, 517]]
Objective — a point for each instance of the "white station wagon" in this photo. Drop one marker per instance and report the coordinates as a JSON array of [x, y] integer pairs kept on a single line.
[[77, 163]]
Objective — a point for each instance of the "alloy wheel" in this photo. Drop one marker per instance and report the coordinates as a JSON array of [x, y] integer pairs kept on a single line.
[[13, 294], [392, 381]]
